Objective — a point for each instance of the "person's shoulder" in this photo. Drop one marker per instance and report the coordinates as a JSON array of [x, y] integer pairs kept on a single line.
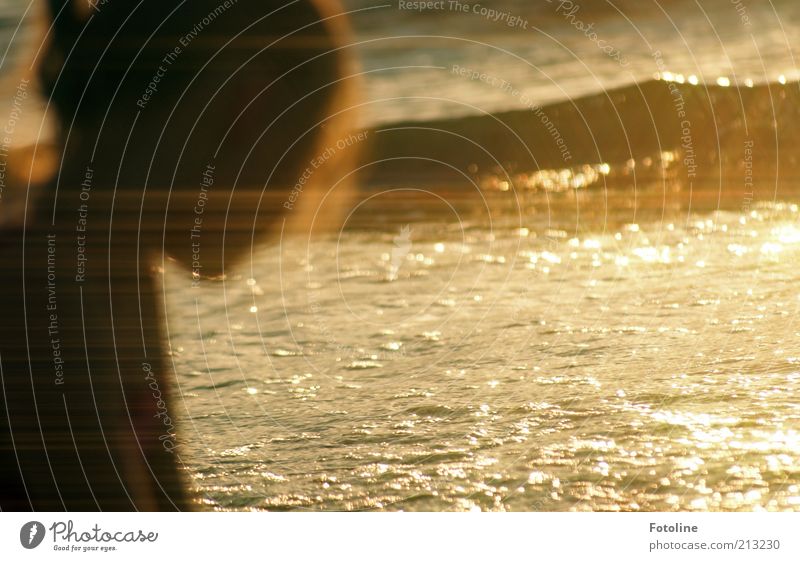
[[25, 173]]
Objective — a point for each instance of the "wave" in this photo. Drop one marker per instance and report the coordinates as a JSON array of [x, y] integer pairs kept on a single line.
[[657, 128]]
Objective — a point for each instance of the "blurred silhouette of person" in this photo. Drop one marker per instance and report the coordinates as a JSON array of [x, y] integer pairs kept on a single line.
[[181, 129]]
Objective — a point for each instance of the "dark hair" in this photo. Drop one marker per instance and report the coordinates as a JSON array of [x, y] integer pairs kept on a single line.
[[180, 83]]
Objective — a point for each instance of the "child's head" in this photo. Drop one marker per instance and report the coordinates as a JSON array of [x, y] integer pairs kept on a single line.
[[157, 90]]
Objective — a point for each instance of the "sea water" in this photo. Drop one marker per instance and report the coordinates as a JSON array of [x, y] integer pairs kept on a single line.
[[578, 353]]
